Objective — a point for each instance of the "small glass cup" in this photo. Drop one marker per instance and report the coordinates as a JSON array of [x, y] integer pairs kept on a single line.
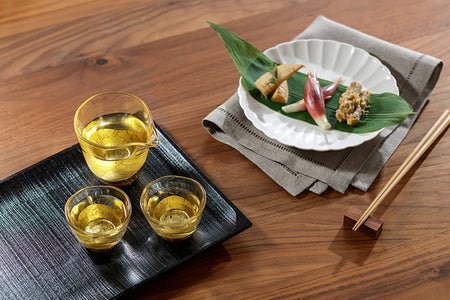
[[173, 205], [115, 131], [98, 216]]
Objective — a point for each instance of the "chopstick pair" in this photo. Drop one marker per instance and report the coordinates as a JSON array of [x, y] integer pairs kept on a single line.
[[438, 127]]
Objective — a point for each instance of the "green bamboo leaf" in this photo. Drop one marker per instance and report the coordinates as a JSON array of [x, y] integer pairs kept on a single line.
[[385, 110]]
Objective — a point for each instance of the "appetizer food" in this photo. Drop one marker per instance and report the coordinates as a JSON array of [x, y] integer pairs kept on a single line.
[[314, 101], [353, 104], [269, 81], [281, 93], [328, 92], [252, 63]]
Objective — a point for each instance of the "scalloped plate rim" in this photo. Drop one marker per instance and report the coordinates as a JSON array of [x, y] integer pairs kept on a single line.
[[257, 112]]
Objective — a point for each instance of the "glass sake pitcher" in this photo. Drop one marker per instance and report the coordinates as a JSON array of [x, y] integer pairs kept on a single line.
[[115, 131]]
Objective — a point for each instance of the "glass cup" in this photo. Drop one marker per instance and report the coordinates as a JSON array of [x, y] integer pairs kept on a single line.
[[98, 216], [173, 205], [115, 131]]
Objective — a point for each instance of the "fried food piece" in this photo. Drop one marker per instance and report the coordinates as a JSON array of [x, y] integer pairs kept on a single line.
[[267, 83], [281, 93], [353, 104]]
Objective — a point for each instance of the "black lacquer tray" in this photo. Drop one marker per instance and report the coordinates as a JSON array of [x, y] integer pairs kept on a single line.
[[41, 259]]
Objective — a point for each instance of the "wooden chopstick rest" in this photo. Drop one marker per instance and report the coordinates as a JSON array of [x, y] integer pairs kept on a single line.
[[372, 226], [435, 131]]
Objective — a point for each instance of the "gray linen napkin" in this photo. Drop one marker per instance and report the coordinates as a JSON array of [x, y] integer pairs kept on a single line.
[[298, 170]]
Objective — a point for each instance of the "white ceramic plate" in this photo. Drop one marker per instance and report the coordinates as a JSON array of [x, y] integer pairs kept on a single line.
[[331, 60]]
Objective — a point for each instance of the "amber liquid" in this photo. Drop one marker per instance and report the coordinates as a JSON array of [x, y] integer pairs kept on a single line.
[[176, 209], [107, 213], [119, 163], [100, 217]]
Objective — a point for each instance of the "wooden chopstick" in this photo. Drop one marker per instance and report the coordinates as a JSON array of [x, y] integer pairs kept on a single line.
[[436, 130]]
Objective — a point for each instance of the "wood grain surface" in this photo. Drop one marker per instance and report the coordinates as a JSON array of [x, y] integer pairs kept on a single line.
[[55, 54]]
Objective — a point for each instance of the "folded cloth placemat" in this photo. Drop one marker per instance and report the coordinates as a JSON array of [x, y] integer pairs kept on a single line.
[[298, 170]]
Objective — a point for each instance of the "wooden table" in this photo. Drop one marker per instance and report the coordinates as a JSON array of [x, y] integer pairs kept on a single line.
[[54, 54]]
